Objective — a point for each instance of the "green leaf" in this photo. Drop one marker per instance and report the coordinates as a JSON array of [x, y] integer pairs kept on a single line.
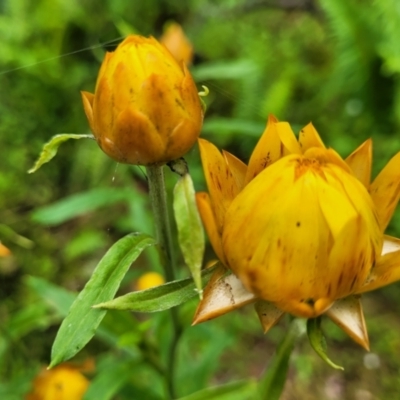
[[50, 148], [227, 126], [57, 297], [243, 390], [111, 327], [272, 383], [237, 69], [79, 204], [82, 320], [318, 342], [190, 228], [159, 298]]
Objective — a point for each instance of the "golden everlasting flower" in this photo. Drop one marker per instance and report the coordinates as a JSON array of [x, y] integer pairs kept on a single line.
[[301, 229], [175, 40], [145, 109], [63, 382], [149, 280]]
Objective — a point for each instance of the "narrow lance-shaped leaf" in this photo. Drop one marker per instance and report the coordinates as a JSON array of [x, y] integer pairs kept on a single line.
[[272, 383], [318, 342], [82, 320], [190, 228], [61, 300], [159, 298], [50, 148]]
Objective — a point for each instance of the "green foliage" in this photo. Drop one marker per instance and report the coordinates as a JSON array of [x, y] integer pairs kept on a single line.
[[50, 148], [190, 228], [159, 298], [82, 320], [335, 62], [274, 379]]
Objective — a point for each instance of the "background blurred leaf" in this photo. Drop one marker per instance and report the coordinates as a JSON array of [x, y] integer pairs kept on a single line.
[[245, 390], [224, 70], [80, 204]]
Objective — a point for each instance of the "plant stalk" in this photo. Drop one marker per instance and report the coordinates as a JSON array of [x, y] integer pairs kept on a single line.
[[158, 199]]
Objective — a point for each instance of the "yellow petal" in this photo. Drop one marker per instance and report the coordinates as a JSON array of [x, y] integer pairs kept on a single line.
[[347, 313], [266, 152], [288, 139], [208, 218], [387, 267], [385, 191], [237, 167], [309, 244], [285, 235], [334, 158], [220, 181], [268, 314], [360, 162], [309, 138], [223, 293]]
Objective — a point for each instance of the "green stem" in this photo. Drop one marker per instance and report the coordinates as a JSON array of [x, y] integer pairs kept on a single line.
[[273, 381], [158, 199]]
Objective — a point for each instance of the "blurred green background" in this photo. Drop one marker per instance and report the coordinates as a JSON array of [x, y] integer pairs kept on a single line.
[[333, 62]]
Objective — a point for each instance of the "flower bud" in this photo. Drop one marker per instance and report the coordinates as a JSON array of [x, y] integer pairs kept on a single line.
[[145, 109], [175, 40]]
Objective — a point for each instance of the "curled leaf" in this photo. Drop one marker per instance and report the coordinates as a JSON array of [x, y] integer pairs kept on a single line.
[[317, 340], [50, 148]]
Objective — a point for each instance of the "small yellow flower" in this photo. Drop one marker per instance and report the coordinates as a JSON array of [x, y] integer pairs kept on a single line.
[[301, 229], [175, 40], [149, 280], [145, 109], [4, 251], [63, 382]]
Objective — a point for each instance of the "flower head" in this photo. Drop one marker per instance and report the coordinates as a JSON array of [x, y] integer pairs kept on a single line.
[[149, 280], [145, 109], [64, 382], [300, 228]]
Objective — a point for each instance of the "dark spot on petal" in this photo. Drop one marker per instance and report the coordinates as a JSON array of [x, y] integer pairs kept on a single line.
[[298, 223], [310, 302]]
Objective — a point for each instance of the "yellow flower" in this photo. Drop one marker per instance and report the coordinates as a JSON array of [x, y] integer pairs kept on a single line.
[[301, 229], [145, 109], [149, 280], [175, 40], [63, 382]]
